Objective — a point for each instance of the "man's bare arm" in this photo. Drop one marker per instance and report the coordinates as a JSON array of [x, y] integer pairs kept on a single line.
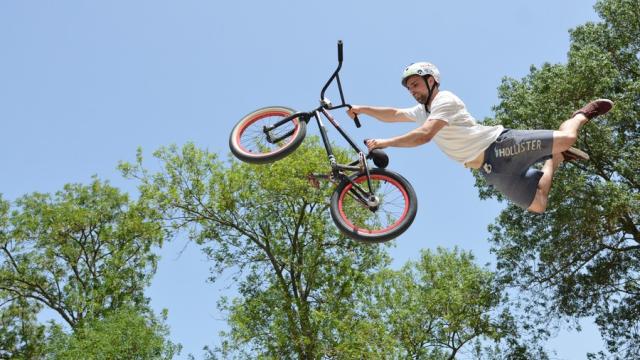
[[416, 137], [386, 114]]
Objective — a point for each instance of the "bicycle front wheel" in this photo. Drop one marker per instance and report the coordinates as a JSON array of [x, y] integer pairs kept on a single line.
[[384, 215], [255, 139]]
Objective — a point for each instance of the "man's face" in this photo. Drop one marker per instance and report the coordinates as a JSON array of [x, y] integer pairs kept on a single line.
[[418, 88]]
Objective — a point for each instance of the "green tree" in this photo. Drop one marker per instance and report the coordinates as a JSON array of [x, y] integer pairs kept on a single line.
[[21, 337], [581, 258], [443, 306], [305, 290], [84, 253], [295, 273], [125, 334]]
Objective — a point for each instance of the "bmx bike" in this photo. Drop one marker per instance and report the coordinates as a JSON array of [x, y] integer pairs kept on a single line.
[[368, 204]]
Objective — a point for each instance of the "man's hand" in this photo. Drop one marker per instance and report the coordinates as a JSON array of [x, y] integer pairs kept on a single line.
[[354, 110], [376, 144]]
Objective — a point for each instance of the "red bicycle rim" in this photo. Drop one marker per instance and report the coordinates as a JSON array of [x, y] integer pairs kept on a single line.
[[260, 117], [405, 196]]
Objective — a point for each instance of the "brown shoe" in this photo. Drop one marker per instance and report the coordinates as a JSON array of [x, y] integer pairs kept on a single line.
[[595, 108], [573, 154]]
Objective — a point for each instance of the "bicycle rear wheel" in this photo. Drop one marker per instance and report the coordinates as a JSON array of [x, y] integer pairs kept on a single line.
[[250, 142], [395, 207]]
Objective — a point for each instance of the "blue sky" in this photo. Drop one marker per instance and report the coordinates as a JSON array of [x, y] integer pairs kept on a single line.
[[84, 83]]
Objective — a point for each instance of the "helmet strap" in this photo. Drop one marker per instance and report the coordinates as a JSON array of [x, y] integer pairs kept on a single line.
[[426, 82]]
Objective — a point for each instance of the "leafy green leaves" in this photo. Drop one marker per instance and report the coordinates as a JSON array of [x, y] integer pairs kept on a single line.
[[581, 257], [296, 274], [80, 252], [305, 290], [85, 253], [121, 334], [433, 307]]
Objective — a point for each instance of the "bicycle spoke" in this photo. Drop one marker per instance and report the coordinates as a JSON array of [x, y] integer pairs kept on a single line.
[[254, 140], [391, 207]]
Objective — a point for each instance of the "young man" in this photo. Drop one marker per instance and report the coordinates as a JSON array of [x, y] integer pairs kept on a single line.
[[503, 156]]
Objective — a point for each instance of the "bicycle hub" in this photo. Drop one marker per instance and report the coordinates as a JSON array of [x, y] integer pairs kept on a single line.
[[373, 203]]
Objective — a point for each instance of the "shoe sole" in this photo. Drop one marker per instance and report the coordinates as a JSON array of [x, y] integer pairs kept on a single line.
[[577, 153], [594, 101], [608, 102]]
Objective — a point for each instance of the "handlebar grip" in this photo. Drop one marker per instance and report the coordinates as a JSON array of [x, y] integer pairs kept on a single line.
[[355, 118], [339, 50]]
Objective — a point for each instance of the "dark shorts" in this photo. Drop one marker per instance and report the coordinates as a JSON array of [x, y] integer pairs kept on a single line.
[[509, 159]]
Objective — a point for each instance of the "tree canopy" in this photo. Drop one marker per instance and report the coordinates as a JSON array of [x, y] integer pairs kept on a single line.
[[295, 273], [306, 290], [444, 306], [581, 258], [87, 254]]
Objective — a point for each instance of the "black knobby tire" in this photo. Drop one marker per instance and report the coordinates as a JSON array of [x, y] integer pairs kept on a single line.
[[249, 143], [396, 211]]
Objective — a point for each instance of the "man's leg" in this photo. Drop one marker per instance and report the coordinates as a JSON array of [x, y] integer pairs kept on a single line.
[[563, 139], [539, 204], [567, 134]]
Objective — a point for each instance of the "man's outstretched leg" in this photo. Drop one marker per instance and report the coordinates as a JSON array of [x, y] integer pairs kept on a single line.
[[539, 204], [567, 134], [563, 140]]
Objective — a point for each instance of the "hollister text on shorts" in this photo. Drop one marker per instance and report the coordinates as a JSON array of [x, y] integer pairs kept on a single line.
[[515, 149]]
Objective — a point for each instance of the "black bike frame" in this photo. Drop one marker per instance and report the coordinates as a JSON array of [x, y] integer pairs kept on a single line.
[[324, 109], [336, 168]]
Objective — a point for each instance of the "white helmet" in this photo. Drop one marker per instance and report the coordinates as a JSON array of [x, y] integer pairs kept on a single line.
[[422, 69]]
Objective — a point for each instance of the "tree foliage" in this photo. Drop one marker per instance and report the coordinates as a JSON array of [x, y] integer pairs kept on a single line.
[[84, 253], [124, 333], [581, 258], [443, 306], [21, 336], [305, 290], [295, 273], [81, 252]]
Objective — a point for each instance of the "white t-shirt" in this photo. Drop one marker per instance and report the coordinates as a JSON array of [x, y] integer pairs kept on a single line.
[[462, 139]]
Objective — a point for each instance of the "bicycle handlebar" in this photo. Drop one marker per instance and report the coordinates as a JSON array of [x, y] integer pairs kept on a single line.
[[340, 58], [355, 119], [336, 77]]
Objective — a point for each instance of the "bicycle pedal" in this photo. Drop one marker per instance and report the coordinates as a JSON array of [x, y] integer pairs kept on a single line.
[[313, 179]]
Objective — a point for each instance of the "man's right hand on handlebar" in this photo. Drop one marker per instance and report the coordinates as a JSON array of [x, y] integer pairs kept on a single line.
[[354, 110]]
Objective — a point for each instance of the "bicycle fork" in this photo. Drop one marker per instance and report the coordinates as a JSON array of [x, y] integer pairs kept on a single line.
[[268, 128]]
